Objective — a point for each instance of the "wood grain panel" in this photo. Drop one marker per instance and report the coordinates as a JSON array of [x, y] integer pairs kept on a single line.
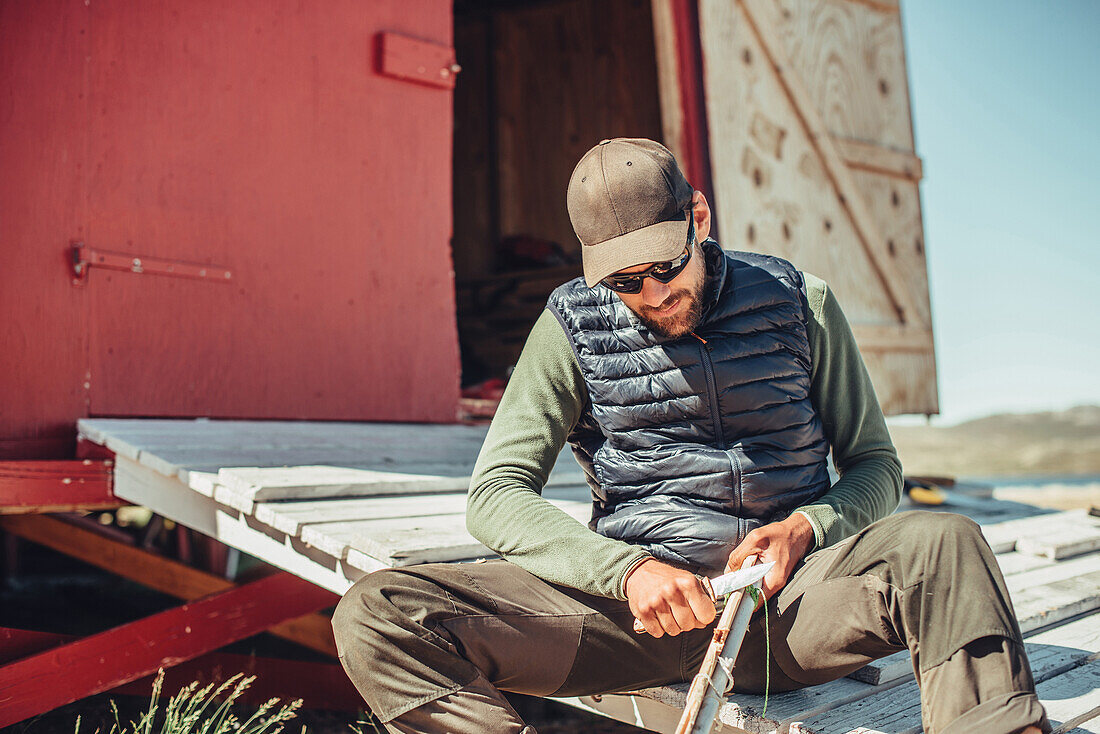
[[820, 170], [773, 193], [852, 61], [568, 74]]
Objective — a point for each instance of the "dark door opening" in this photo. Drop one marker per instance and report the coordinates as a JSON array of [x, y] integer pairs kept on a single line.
[[542, 81]]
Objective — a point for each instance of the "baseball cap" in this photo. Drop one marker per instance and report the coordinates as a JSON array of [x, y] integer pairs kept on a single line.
[[627, 202]]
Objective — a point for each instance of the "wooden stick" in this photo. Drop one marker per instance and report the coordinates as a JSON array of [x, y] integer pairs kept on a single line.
[[726, 643]]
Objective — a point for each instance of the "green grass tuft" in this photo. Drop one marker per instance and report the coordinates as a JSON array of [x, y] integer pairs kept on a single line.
[[189, 711]]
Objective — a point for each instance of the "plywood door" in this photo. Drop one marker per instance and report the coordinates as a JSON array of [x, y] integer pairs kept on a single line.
[[812, 157], [260, 137]]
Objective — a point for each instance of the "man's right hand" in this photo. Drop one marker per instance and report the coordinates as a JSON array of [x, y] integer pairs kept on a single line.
[[668, 600]]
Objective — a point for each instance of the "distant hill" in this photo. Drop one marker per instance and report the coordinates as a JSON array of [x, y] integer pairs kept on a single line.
[[1012, 444]]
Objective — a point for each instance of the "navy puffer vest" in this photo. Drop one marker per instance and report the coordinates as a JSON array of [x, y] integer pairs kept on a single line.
[[690, 445]]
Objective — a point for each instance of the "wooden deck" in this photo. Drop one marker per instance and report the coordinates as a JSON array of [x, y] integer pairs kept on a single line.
[[330, 502]]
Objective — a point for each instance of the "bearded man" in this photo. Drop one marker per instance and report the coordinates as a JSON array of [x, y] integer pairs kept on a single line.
[[701, 391]]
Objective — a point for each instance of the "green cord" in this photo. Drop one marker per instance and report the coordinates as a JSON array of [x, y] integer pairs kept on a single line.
[[755, 593]]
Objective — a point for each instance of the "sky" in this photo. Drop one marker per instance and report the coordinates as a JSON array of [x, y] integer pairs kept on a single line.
[[1006, 110]]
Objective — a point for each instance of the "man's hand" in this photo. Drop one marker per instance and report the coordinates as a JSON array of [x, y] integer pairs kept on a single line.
[[667, 599], [785, 542]]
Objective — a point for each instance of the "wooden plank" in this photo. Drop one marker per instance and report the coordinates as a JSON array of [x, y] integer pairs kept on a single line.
[[406, 541], [163, 574], [17, 643], [169, 497], [104, 661], [893, 338], [1002, 537], [392, 446], [290, 517], [316, 482], [743, 711], [679, 77], [56, 486], [1051, 654], [1069, 542], [668, 79], [1041, 597], [879, 159], [1072, 700], [1013, 563]]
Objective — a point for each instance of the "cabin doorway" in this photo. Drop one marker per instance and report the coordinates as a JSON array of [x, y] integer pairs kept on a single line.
[[542, 81]]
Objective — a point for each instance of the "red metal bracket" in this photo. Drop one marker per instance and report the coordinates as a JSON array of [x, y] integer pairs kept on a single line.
[[414, 60], [56, 486], [85, 257], [101, 662]]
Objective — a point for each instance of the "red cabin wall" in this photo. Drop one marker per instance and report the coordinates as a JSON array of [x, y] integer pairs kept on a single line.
[[255, 136]]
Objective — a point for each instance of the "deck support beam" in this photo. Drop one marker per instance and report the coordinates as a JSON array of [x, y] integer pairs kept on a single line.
[[153, 571], [56, 486], [101, 662]]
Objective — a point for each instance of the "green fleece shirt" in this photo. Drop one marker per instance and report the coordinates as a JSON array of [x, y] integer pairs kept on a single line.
[[546, 397]]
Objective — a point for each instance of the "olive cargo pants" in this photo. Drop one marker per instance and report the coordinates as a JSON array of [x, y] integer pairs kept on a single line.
[[429, 647]]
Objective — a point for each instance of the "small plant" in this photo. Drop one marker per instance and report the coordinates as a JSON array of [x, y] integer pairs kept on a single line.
[[369, 720], [189, 712]]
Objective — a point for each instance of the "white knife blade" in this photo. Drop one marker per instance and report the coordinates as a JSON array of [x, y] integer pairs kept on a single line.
[[731, 582]]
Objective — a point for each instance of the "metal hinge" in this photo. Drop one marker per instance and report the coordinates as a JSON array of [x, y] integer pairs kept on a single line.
[[85, 257]]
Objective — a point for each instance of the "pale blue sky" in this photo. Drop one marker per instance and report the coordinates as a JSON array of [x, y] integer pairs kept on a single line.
[[1006, 108]]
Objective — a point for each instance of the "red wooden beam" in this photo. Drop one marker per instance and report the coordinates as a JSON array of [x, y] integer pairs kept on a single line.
[[15, 644], [109, 659], [56, 486], [319, 685], [689, 57]]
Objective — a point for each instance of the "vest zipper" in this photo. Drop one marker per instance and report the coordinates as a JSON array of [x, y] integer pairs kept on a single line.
[[712, 390]]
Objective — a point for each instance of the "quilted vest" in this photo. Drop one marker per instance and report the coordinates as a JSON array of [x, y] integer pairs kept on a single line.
[[690, 443]]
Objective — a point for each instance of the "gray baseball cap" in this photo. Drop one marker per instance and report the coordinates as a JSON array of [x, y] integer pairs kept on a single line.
[[627, 201]]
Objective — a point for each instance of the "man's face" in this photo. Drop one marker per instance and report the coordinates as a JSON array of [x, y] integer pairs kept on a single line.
[[670, 309]]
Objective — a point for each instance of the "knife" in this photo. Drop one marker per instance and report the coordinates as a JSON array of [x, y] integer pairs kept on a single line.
[[722, 586]]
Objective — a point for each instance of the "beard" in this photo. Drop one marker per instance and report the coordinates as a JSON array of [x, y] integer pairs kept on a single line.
[[682, 322]]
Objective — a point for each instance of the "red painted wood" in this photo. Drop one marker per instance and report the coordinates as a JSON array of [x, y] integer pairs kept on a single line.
[[86, 449], [40, 486], [43, 157], [319, 685], [16, 643], [417, 61], [104, 661], [689, 56], [255, 135]]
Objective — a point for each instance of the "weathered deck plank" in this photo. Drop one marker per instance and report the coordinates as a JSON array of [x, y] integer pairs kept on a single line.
[[173, 467], [1041, 596], [1052, 654]]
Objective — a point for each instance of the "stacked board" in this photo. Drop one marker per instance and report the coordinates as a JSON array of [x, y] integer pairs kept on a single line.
[[331, 502]]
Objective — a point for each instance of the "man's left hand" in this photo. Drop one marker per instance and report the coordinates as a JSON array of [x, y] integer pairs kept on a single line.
[[785, 542]]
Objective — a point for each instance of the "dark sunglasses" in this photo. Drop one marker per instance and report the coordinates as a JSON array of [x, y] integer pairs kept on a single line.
[[663, 272]]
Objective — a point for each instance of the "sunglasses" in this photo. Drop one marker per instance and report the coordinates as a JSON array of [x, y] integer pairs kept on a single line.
[[663, 272]]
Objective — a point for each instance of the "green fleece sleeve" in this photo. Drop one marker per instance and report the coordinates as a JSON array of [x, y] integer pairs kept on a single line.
[[505, 510], [870, 480]]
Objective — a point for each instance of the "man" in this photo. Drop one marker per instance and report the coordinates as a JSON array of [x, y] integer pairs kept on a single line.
[[701, 392]]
